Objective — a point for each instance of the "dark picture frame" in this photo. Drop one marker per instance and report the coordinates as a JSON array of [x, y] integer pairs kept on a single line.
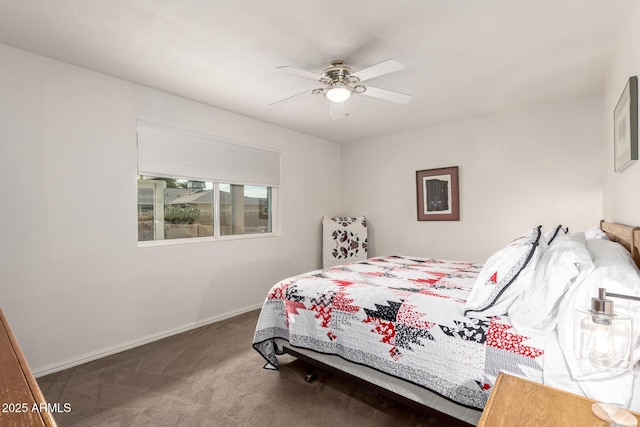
[[625, 127], [437, 194]]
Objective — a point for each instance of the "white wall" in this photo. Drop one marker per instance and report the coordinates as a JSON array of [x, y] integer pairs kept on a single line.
[[517, 169], [73, 282], [621, 200]]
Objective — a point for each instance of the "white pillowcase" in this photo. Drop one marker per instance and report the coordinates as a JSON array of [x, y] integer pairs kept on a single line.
[[535, 310], [504, 274], [605, 252], [595, 233]]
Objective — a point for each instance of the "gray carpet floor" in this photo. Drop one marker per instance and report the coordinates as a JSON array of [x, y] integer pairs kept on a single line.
[[211, 376]]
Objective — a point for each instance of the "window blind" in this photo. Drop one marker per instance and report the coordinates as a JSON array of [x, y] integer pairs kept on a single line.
[[171, 152]]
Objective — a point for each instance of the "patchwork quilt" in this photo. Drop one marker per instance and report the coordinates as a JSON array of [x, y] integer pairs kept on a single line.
[[402, 316]]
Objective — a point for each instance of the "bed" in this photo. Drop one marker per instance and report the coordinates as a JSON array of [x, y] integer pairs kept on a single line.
[[434, 334]]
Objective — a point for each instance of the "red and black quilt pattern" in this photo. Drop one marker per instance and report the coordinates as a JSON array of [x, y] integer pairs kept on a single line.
[[402, 316]]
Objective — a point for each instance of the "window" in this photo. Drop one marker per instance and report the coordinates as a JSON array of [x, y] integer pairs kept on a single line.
[[233, 194], [171, 208]]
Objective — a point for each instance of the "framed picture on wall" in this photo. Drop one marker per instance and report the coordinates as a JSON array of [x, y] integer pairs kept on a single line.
[[625, 127], [437, 194]]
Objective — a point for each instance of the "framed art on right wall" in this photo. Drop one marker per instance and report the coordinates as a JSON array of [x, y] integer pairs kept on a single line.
[[437, 194], [625, 127]]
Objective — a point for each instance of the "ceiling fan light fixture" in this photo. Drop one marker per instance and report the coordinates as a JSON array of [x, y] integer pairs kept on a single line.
[[338, 92]]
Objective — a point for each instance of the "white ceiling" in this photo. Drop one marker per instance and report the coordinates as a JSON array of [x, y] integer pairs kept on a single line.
[[463, 58]]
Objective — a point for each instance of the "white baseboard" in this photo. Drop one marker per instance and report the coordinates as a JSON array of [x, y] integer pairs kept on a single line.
[[46, 370]]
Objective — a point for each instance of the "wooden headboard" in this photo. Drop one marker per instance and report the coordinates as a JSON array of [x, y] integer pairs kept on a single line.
[[626, 235]]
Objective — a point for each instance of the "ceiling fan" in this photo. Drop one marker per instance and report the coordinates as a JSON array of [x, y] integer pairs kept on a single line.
[[341, 82]]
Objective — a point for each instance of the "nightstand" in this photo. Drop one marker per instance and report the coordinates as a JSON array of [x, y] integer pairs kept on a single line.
[[518, 402]]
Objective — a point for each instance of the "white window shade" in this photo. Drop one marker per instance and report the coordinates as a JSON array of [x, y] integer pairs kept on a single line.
[[170, 152]]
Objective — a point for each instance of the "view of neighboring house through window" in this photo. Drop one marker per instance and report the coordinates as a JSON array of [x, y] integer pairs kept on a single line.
[[244, 209], [171, 208]]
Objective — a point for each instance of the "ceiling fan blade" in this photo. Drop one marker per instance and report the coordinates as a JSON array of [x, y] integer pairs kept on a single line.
[[387, 95], [299, 72], [337, 110], [288, 98], [385, 67]]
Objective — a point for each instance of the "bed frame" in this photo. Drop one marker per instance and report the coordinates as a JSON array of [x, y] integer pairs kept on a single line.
[[316, 364], [627, 236]]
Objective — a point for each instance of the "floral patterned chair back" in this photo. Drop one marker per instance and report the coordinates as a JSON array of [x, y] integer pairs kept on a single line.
[[344, 240]]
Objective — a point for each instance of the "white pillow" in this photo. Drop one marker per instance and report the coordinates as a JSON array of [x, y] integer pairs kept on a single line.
[[595, 233], [604, 252], [504, 274], [535, 310], [557, 231]]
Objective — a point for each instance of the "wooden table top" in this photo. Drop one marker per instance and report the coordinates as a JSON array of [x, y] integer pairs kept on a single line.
[[518, 402]]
